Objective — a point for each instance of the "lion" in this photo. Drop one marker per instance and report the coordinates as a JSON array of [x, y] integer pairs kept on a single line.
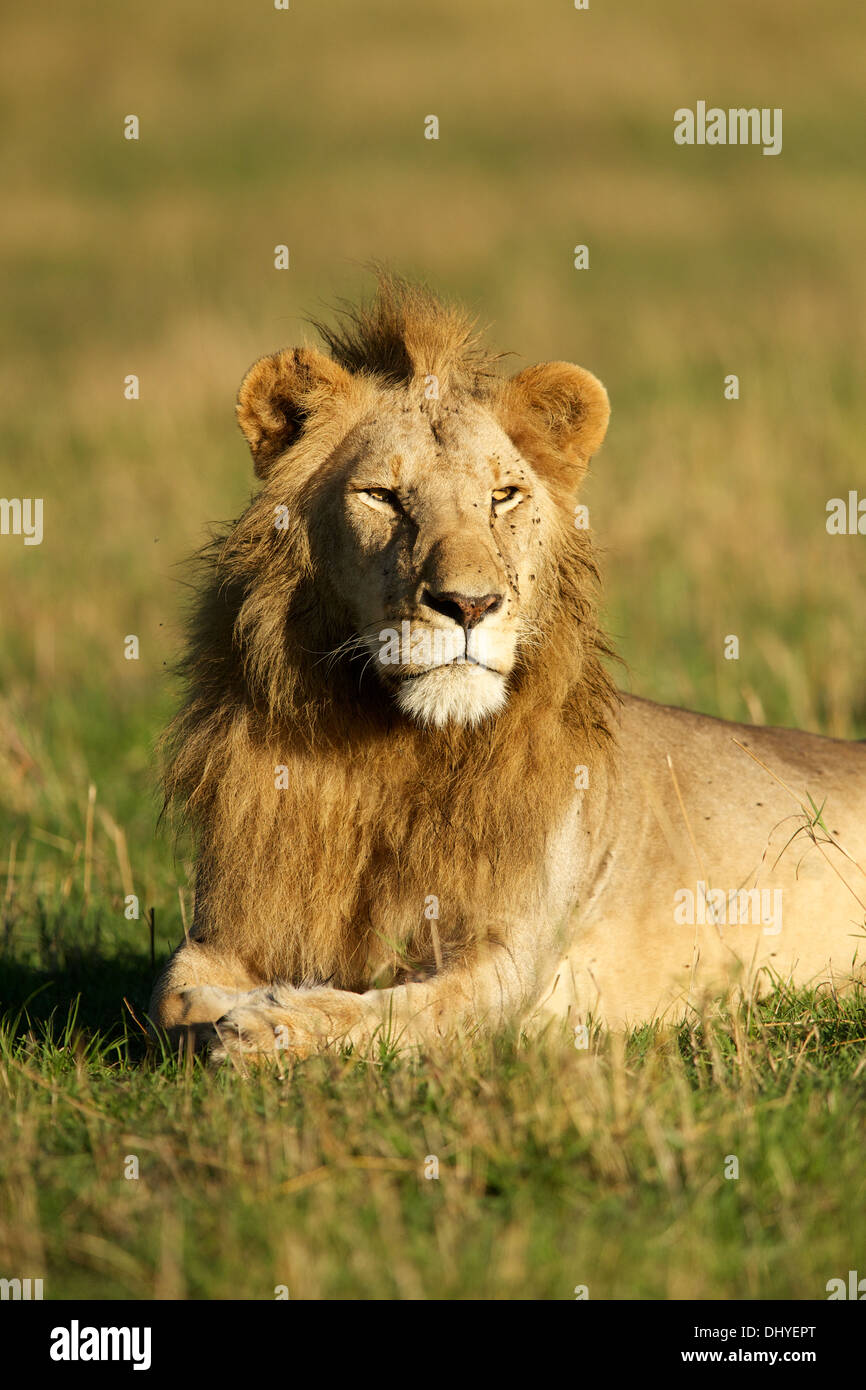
[[420, 804]]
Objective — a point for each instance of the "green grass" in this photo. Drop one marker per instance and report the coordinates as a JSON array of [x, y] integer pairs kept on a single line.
[[556, 1168]]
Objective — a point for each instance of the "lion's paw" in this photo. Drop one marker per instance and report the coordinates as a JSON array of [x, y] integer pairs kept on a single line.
[[260, 1030], [206, 1003]]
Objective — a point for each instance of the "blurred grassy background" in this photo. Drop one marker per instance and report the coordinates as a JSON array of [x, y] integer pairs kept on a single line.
[[306, 127]]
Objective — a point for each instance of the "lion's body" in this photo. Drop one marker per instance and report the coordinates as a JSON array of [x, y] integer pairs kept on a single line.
[[639, 947], [478, 828]]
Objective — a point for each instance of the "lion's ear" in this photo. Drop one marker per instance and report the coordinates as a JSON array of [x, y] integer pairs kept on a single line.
[[279, 394], [567, 404]]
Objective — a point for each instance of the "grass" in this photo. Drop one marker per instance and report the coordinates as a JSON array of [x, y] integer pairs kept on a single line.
[[607, 1168], [557, 1167]]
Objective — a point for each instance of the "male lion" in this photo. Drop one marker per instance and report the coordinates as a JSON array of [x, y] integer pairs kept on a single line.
[[420, 803]]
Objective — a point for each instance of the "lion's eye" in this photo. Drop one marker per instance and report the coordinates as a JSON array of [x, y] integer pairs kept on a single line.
[[381, 499], [504, 498]]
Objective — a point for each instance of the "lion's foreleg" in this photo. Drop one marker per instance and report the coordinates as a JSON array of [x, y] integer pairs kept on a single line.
[[198, 985], [279, 1019]]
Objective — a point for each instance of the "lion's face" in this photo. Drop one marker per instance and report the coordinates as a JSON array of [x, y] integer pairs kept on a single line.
[[433, 527], [439, 531]]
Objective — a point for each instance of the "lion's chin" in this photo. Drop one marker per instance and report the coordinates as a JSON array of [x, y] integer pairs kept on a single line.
[[458, 693]]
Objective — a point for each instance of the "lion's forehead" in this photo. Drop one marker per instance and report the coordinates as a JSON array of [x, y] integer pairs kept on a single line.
[[455, 442]]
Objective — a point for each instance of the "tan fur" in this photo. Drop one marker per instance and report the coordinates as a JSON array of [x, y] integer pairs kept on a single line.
[[356, 864]]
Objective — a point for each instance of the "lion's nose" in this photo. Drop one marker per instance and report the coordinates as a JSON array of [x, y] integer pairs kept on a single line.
[[465, 609]]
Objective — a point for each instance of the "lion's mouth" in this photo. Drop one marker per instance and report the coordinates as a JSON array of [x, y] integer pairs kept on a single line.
[[414, 649], [408, 675]]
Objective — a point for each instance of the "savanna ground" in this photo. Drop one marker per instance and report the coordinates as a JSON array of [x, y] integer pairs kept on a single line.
[[557, 1167]]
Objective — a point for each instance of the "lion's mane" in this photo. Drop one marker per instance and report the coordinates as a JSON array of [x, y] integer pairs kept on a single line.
[[321, 815]]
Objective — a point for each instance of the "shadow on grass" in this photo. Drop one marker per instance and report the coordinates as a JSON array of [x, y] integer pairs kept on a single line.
[[68, 968], [93, 986]]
